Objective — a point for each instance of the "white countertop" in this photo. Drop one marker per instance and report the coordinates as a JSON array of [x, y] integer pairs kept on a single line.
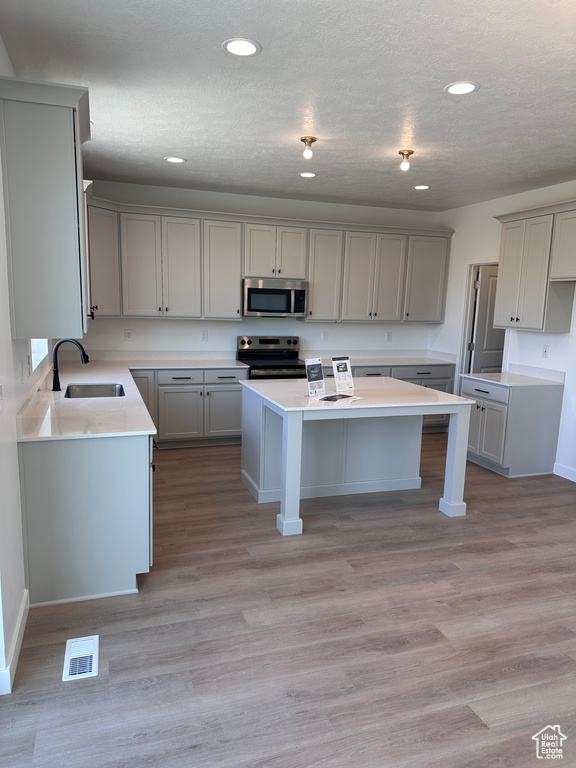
[[48, 415], [292, 395], [510, 379]]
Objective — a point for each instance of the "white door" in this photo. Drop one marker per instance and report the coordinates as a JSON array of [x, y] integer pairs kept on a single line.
[[359, 265], [425, 279], [534, 272], [104, 262], [389, 277], [222, 410], [259, 250]]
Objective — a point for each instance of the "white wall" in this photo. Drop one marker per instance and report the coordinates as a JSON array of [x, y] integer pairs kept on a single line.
[[13, 595], [477, 241]]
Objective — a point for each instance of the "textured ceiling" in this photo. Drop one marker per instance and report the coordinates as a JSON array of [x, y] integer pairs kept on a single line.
[[365, 77]]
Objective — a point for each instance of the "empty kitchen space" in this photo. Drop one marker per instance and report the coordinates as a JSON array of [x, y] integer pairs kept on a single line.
[[387, 635]]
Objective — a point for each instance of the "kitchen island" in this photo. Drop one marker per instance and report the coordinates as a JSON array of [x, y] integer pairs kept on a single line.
[[297, 447]]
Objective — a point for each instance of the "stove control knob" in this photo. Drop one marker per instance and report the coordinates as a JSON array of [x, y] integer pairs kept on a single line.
[[243, 341], [295, 341], [289, 341], [249, 342]]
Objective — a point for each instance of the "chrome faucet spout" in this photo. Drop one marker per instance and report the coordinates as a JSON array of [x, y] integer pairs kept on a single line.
[[83, 357]]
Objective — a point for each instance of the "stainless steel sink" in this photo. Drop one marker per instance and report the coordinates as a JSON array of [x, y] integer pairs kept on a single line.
[[94, 390]]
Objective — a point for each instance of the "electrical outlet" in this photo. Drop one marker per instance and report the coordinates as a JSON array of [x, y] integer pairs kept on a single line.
[[324, 335], [388, 335], [128, 334], [203, 335], [545, 350]]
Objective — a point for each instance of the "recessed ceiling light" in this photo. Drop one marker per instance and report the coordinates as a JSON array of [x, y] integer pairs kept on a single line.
[[462, 87], [422, 186], [171, 159], [307, 175], [241, 46]]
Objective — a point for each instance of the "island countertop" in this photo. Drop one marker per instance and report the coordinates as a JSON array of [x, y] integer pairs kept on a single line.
[[292, 395]]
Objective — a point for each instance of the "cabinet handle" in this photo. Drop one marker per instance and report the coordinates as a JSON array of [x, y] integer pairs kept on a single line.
[[273, 271], [517, 319], [166, 310], [407, 313], [373, 374], [483, 409], [178, 378], [279, 271], [237, 311], [159, 309], [375, 314], [310, 312], [511, 319], [477, 407], [226, 377], [423, 373], [484, 391]]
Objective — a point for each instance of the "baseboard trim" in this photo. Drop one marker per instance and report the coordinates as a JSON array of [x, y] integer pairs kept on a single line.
[[9, 672], [568, 473]]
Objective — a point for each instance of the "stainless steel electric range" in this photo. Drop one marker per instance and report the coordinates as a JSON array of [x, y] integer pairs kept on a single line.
[[271, 357]]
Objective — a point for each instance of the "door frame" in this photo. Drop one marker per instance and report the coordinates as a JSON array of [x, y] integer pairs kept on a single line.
[[469, 318]]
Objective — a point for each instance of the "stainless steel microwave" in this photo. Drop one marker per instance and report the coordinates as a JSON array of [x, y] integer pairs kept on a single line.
[[274, 297]]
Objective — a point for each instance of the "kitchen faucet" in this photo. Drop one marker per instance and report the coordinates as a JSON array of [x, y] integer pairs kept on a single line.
[[83, 356]]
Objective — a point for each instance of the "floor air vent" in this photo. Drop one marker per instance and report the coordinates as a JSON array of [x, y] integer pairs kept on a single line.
[[81, 658]]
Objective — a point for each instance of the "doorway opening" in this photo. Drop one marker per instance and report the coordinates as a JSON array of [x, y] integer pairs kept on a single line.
[[483, 344]]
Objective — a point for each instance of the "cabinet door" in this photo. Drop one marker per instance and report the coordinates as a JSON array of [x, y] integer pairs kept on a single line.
[[141, 257], [104, 262], [222, 269], [222, 410], [475, 428], [180, 412], [563, 261], [509, 265], [425, 279], [389, 277], [534, 273], [182, 288], [324, 274], [259, 250], [493, 431], [144, 380], [291, 252], [43, 209], [359, 265]]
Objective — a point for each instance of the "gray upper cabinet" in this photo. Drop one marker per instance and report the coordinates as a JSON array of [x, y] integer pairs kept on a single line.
[[324, 274], [42, 127], [104, 260], [563, 259], [426, 272], [274, 251], [526, 299]]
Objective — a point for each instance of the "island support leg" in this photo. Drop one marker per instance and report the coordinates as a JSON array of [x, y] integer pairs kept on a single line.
[[288, 521], [452, 503]]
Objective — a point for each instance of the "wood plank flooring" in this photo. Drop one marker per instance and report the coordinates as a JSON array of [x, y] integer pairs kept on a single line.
[[387, 635]]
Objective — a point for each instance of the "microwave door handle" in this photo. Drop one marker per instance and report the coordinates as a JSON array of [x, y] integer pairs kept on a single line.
[[292, 301]]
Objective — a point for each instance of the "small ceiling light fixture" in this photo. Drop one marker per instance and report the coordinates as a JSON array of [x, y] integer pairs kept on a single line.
[[307, 175], [171, 159], [405, 164], [461, 88], [422, 186], [241, 46], [308, 141]]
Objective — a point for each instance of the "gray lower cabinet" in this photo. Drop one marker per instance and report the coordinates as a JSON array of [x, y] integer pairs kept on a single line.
[[87, 516], [199, 404], [514, 427], [440, 377], [146, 383]]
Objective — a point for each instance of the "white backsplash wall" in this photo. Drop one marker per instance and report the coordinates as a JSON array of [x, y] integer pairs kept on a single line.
[[107, 335]]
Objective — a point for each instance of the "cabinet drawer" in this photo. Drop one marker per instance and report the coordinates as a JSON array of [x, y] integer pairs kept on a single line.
[[225, 375], [423, 371], [372, 370], [484, 390], [180, 376]]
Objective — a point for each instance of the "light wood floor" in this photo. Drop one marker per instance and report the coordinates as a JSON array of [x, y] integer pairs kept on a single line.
[[387, 635]]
